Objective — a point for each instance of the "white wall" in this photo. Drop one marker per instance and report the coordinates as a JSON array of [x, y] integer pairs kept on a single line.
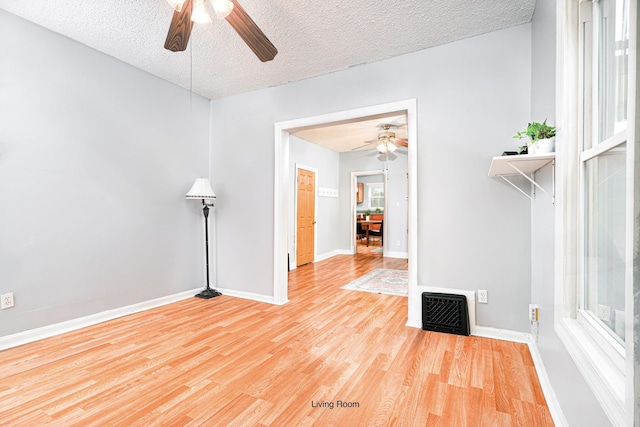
[[95, 160], [578, 403], [473, 231], [326, 162]]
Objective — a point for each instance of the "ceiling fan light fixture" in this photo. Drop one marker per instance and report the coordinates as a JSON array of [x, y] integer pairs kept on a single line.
[[386, 135], [382, 148], [391, 147], [176, 4], [200, 14], [222, 8]]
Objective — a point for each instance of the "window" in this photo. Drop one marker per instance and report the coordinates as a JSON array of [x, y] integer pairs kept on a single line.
[[595, 209], [605, 47], [376, 195]]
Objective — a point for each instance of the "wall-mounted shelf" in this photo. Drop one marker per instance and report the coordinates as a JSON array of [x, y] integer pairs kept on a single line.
[[523, 165]]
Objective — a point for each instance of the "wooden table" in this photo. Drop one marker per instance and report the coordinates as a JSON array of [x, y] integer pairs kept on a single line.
[[366, 226]]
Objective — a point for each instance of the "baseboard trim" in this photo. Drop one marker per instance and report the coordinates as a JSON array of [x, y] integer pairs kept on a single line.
[[331, 254], [323, 257], [392, 254], [32, 335], [547, 389], [502, 334], [327, 255], [251, 296]]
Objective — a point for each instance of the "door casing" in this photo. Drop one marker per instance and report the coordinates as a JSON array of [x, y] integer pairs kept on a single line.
[[281, 193]]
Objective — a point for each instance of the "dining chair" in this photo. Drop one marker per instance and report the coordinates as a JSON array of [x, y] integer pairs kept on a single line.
[[377, 233], [360, 233]]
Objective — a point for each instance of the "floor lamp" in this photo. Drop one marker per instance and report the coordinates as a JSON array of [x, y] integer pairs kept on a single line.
[[201, 189]]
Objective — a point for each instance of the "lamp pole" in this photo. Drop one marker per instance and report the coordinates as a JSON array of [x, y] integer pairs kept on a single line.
[[202, 190], [208, 292]]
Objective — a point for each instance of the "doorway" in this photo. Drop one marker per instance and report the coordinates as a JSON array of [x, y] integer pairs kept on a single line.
[[282, 179], [367, 210]]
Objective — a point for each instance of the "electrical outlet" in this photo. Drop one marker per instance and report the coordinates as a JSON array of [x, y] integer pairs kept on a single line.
[[604, 312], [6, 300], [483, 296], [534, 313]]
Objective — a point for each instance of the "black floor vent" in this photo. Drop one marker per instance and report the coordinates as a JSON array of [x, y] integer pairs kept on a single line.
[[445, 313]]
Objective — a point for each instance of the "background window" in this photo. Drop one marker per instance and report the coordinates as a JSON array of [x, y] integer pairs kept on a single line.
[[376, 196]]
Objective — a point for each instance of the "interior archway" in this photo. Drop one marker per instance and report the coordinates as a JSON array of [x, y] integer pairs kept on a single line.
[[281, 184]]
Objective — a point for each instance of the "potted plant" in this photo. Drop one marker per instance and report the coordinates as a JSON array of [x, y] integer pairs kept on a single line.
[[541, 135], [366, 214]]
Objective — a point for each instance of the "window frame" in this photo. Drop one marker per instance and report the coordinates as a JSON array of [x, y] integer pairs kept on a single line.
[[588, 317], [371, 186], [607, 366]]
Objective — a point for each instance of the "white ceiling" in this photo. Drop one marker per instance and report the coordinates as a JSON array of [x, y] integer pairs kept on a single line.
[[313, 37], [353, 134]]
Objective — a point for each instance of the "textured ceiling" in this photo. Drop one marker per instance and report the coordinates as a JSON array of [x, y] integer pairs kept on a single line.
[[313, 37]]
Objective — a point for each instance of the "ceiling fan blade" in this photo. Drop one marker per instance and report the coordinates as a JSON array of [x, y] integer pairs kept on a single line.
[[251, 34], [180, 29], [401, 142]]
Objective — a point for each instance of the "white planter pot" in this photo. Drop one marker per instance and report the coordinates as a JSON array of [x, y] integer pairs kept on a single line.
[[544, 146]]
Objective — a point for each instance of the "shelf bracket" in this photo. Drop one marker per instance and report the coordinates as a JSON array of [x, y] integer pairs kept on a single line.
[[516, 187], [526, 165], [552, 195]]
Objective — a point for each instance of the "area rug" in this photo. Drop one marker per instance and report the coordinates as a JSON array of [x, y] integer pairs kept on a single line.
[[382, 281]]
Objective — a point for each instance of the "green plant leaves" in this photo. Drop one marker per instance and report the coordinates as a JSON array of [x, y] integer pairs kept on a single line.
[[537, 131]]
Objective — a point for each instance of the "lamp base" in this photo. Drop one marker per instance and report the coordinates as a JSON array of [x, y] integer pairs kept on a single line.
[[208, 293]]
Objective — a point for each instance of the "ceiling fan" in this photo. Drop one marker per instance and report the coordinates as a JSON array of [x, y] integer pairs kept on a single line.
[[189, 11], [387, 141]]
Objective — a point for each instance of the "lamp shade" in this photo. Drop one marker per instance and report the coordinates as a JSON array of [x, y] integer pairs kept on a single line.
[[201, 189], [199, 13], [222, 8]]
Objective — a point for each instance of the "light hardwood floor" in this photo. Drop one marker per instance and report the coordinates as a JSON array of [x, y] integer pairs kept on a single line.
[[228, 361]]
